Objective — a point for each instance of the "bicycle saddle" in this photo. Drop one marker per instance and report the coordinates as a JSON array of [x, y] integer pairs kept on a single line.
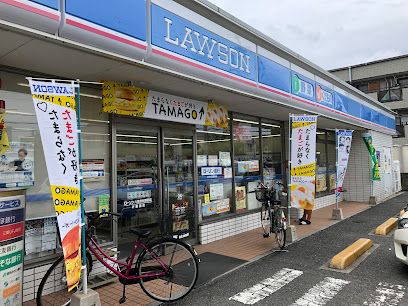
[[142, 233]]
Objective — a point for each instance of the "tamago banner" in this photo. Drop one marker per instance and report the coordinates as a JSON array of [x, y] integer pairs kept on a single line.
[[344, 138], [303, 161], [54, 105]]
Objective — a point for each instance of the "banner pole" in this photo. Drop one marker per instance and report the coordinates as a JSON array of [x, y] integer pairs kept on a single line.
[[289, 166], [81, 183], [337, 193]]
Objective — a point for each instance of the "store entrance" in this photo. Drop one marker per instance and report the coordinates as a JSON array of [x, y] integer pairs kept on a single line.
[[138, 183], [155, 182]]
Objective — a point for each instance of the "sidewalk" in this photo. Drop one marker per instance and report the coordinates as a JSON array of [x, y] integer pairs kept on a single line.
[[223, 255]]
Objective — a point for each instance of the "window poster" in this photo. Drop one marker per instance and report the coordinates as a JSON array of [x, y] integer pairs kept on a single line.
[[321, 182], [243, 167], [93, 168], [225, 159], [55, 108], [253, 165], [216, 191], [223, 206], [17, 165], [227, 172], [201, 160], [180, 218], [212, 160], [103, 204], [303, 161], [209, 209], [240, 197]]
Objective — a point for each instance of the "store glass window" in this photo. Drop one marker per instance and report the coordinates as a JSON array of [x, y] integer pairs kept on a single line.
[[246, 161], [325, 163], [271, 153], [214, 171]]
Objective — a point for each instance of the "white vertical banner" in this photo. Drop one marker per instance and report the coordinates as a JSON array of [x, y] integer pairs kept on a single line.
[[343, 140], [54, 105], [303, 161]]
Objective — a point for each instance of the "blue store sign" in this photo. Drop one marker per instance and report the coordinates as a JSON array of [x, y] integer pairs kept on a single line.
[[185, 38]]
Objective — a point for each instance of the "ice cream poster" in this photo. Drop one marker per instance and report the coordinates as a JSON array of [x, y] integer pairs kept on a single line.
[[54, 105], [303, 161], [128, 100]]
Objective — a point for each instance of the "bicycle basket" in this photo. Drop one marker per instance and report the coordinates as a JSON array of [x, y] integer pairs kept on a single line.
[[262, 194]]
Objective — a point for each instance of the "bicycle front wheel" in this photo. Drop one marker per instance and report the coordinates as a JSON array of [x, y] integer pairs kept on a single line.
[[265, 219], [280, 230], [52, 290], [177, 264]]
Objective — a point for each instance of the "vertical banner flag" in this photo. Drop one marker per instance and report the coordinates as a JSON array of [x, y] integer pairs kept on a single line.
[[303, 161], [54, 105], [368, 140], [344, 138]]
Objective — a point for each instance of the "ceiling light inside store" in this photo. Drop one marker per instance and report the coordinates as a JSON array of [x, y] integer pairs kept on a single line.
[[271, 125], [245, 121], [136, 136], [137, 142], [212, 132]]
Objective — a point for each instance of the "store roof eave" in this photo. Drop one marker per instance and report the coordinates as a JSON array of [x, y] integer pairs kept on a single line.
[[267, 39]]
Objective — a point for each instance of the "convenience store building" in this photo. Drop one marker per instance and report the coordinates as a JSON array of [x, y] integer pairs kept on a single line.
[[171, 175]]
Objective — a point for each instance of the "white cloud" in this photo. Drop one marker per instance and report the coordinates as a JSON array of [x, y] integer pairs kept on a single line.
[[332, 33]]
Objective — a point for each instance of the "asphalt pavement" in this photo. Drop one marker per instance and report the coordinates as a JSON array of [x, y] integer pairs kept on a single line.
[[296, 277]]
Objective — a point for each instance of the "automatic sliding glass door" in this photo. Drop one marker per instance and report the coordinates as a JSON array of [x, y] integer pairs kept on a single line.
[[138, 183]]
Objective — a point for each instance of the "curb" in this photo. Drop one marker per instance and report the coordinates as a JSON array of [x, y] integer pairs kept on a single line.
[[350, 254]]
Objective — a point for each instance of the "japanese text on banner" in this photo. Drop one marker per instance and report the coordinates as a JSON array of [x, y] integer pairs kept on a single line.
[[54, 104], [344, 138], [303, 161]]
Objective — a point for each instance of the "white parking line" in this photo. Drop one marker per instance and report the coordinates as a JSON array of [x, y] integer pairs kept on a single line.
[[386, 294], [266, 287], [321, 293]]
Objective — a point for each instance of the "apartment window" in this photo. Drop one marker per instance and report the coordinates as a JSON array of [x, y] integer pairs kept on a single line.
[[403, 82], [362, 87], [390, 95]]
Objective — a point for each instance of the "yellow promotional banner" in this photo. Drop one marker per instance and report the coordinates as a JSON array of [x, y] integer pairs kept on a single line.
[[4, 141], [303, 161], [54, 105], [123, 99]]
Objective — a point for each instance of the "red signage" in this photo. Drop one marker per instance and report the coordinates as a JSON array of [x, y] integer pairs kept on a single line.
[[11, 231]]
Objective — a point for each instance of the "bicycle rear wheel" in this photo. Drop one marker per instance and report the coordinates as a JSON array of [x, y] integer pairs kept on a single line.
[[181, 264], [280, 230], [265, 220]]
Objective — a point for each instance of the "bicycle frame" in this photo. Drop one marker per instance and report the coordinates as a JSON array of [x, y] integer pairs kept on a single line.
[[103, 258]]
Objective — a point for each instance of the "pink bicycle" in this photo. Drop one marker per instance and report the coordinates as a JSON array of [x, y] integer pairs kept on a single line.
[[166, 268]]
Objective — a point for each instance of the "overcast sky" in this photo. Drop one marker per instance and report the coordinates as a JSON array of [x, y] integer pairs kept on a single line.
[[330, 33]]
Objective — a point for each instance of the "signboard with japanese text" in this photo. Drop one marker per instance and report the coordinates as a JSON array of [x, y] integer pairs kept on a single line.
[[54, 105], [93, 168], [11, 250], [128, 100], [303, 161], [344, 138], [17, 165]]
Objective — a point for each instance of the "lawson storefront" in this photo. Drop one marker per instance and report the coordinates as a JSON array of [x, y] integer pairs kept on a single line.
[[154, 157]]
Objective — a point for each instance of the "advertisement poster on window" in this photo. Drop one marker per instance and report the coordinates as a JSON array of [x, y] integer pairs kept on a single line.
[[209, 209], [321, 182], [303, 161], [123, 99], [240, 197], [223, 206], [17, 165], [54, 105], [225, 159], [180, 218], [93, 168], [216, 191], [201, 160], [375, 172], [344, 139]]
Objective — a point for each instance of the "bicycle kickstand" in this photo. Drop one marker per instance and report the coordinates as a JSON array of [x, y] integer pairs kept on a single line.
[[123, 298]]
